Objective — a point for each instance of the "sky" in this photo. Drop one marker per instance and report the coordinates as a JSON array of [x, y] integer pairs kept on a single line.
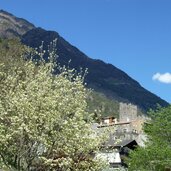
[[133, 35]]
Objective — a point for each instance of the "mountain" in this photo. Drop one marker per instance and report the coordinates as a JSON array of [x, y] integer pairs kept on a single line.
[[109, 83]]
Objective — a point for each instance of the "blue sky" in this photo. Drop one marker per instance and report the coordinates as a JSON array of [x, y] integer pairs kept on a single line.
[[133, 35]]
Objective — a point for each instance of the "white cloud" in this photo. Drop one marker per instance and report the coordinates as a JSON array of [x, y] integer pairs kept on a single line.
[[163, 78]]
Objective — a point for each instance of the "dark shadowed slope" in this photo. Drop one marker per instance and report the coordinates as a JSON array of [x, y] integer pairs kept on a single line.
[[102, 77]]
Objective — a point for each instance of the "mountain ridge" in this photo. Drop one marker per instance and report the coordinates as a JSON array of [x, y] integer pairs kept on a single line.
[[13, 27]]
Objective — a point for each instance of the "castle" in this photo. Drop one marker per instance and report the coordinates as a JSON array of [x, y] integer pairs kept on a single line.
[[128, 132], [129, 126]]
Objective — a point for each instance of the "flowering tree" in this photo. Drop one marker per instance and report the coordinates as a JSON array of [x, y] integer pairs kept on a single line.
[[43, 120]]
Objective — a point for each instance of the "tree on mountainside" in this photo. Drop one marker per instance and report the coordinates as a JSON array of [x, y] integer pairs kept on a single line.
[[156, 155], [44, 124]]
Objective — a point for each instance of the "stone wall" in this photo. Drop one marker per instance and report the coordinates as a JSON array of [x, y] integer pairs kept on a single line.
[[127, 112]]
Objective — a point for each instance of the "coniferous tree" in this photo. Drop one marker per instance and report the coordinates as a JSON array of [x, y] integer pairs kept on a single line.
[[156, 155]]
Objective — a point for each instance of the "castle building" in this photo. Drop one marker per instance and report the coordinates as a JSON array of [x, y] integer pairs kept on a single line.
[[127, 132]]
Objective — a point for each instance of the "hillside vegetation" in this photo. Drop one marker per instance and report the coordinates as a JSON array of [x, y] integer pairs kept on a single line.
[[98, 103]]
